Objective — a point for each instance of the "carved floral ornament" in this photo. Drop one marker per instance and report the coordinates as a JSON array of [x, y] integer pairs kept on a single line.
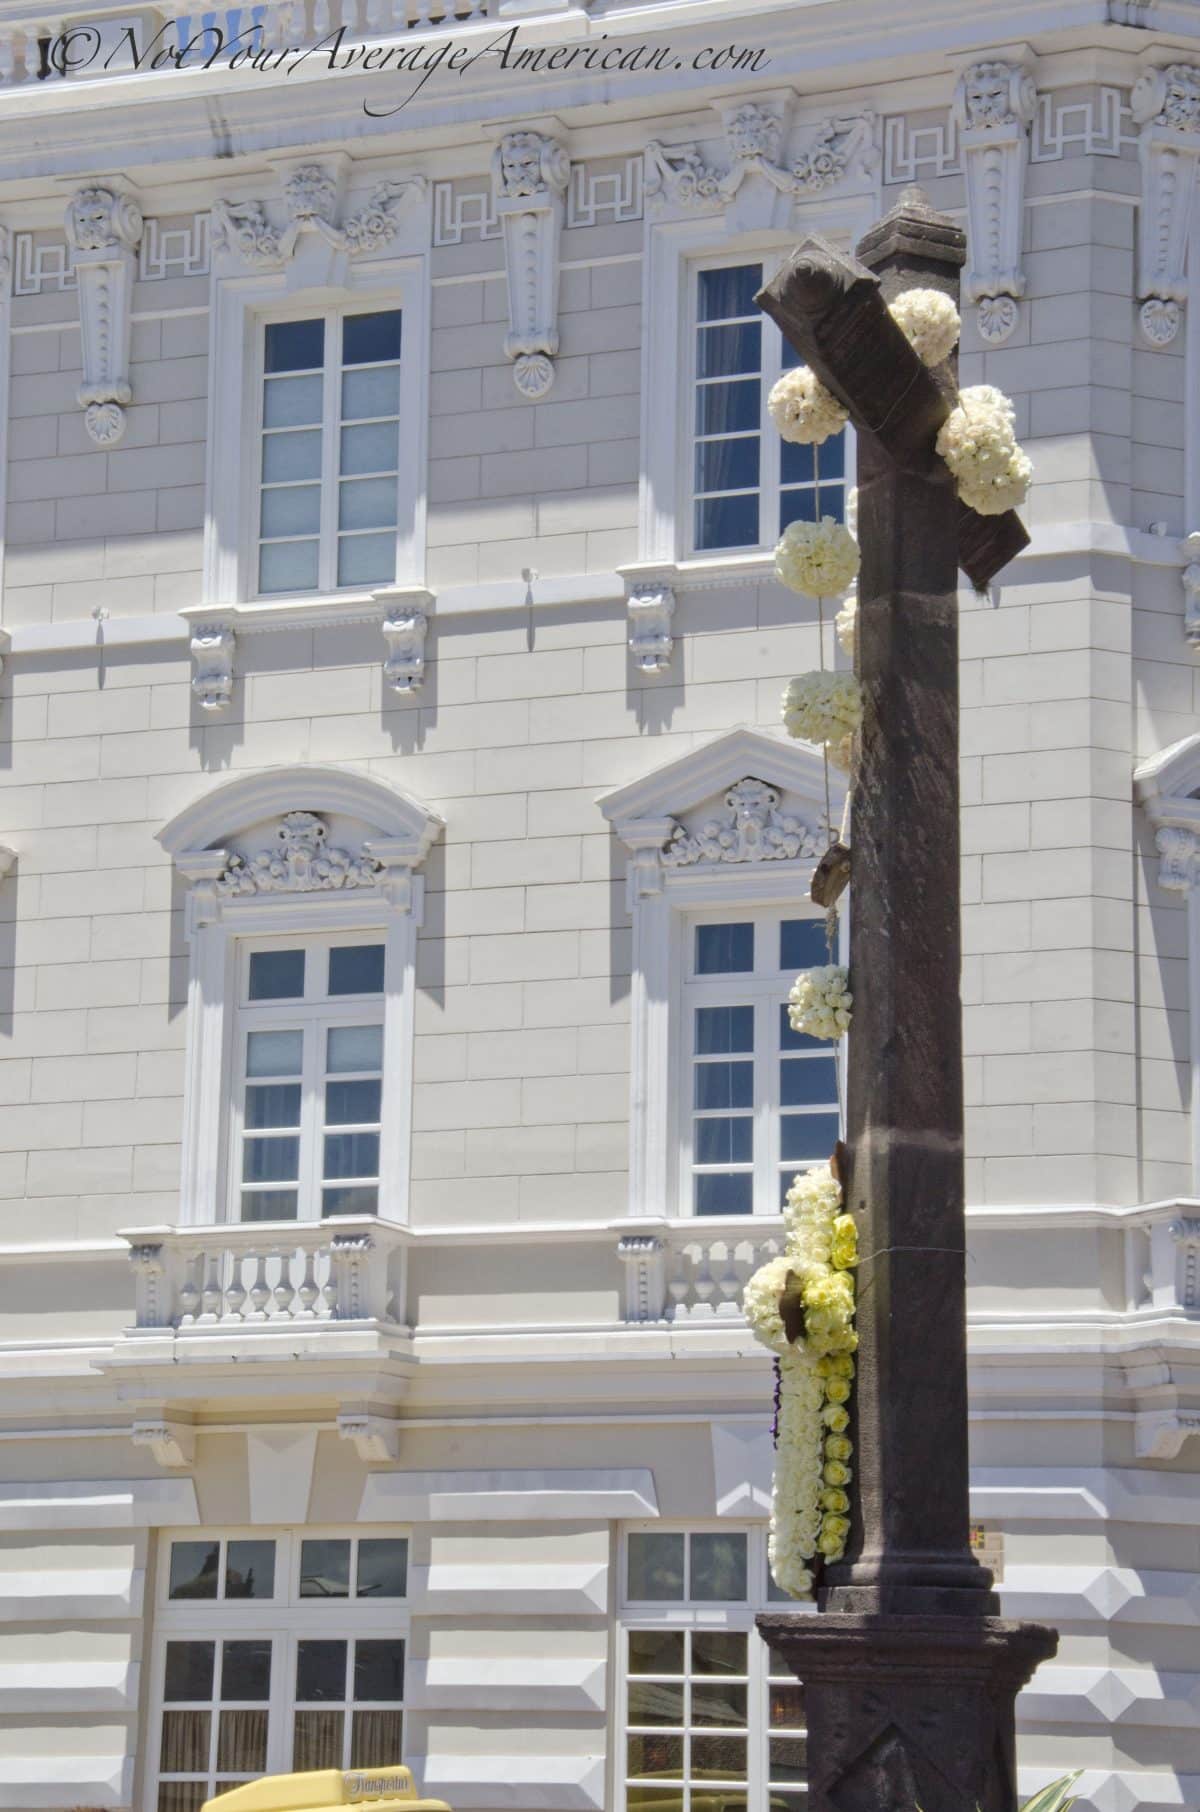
[[302, 860], [1166, 107], [311, 203], [104, 230], [755, 137], [751, 829]]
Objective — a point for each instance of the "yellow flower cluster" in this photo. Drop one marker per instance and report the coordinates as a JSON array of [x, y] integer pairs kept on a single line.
[[810, 1507]]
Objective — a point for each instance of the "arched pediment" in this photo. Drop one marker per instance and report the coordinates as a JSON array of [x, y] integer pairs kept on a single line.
[[748, 796], [300, 829]]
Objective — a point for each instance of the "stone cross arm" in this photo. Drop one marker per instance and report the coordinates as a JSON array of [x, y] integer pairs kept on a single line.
[[831, 309]]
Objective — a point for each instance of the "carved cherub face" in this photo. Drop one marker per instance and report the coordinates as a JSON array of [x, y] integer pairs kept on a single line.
[[521, 163], [1181, 103], [91, 215], [311, 194], [987, 94], [753, 132]]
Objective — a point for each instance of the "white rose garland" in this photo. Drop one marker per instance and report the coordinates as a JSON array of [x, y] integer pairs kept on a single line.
[[824, 708], [929, 322], [977, 443], [810, 1503], [820, 1002], [803, 410], [818, 559]]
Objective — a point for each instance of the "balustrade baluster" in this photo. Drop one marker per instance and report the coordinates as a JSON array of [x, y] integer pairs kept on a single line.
[[235, 1289], [8, 59], [308, 1291], [212, 1296], [322, 17], [284, 1291], [260, 1290], [730, 1282], [189, 1295], [703, 1283], [679, 1285]]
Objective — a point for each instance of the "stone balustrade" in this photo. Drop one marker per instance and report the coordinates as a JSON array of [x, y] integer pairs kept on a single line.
[[693, 1271], [261, 1275]]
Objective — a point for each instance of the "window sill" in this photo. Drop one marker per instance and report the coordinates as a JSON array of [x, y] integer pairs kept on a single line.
[[311, 611], [702, 573]]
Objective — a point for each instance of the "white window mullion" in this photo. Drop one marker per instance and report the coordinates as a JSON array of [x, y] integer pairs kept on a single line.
[[766, 1111], [768, 503], [331, 418], [311, 1116]]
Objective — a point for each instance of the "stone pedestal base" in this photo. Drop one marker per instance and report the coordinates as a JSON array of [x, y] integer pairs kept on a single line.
[[909, 1712]]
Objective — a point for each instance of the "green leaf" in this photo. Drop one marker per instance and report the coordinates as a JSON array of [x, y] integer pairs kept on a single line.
[[1057, 1797]]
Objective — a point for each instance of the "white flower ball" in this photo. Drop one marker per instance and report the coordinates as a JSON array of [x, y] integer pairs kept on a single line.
[[846, 624], [820, 1002], [760, 1302], [824, 708], [803, 410], [819, 559], [929, 322], [977, 443]]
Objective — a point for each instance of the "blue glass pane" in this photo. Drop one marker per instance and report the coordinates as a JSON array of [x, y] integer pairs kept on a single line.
[[320, 1670], [382, 1567], [724, 408], [797, 506], [791, 357], [354, 1198], [274, 1053], [250, 1572], [352, 1103], [295, 346], [725, 522], [351, 1048], [288, 566], [356, 969], [246, 1670], [721, 1029], [270, 1160], [325, 1569], [354, 1154], [797, 1041], [796, 462], [808, 1082], [273, 1104], [295, 509], [724, 949], [723, 465], [194, 1567], [725, 1141], [366, 559], [802, 944], [725, 1194], [727, 351], [806, 1136], [189, 1670], [379, 1668], [276, 974], [291, 454], [268, 1205], [833, 501], [367, 339], [727, 292], [722, 1085]]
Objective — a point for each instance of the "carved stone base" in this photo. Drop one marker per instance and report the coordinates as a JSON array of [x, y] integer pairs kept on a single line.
[[906, 1712]]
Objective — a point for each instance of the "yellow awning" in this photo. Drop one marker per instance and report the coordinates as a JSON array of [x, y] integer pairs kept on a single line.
[[379, 1789]]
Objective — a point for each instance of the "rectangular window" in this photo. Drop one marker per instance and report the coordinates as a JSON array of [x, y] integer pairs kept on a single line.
[[309, 1094], [746, 484], [330, 452], [312, 1679], [760, 1101], [710, 1717]]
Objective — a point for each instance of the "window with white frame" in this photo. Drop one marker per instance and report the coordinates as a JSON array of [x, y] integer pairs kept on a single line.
[[275, 1652], [711, 1719], [746, 483], [758, 1101], [329, 451], [308, 1091]]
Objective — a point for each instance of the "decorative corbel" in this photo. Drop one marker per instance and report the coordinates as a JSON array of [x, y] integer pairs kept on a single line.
[[650, 605], [172, 1442], [530, 171], [104, 230], [212, 647], [375, 1437], [1166, 105], [1176, 847], [405, 625], [994, 103], [1189, 547]]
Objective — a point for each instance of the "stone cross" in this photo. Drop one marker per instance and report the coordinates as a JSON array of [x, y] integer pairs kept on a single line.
[[910, 1675]]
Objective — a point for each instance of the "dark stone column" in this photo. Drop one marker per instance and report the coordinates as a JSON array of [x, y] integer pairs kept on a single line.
[[910, 1675]]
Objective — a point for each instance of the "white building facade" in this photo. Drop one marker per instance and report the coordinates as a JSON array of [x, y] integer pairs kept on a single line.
[[404, 867]]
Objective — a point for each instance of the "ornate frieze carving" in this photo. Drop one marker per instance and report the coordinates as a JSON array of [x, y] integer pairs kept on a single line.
[[212, 649], [302, 861], [104, 230], [1166, 106], [530, 172], [310, 201], [650, 607], [751, 829], [756, 134], [994, 104]]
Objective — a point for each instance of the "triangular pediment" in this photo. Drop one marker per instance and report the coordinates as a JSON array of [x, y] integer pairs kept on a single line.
[[683, 786]]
